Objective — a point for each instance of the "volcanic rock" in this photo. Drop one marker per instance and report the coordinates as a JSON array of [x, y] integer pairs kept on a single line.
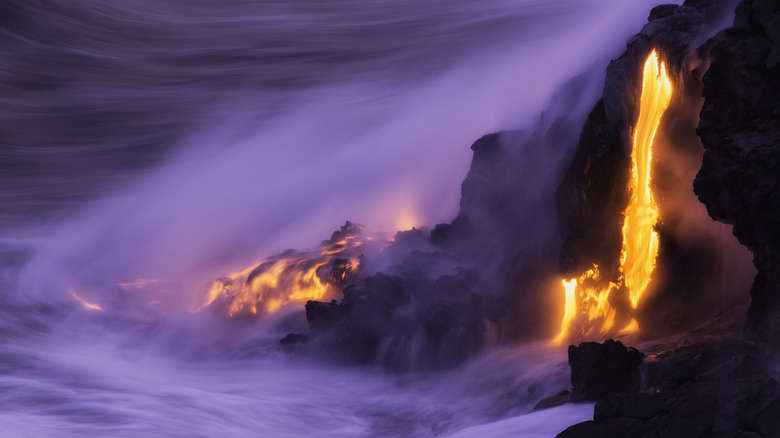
[[723, 408], [503, 227], [349, 229], [379, 321], [708, 388], [739, 180], [294, 339], [600, 369], [352, 328]]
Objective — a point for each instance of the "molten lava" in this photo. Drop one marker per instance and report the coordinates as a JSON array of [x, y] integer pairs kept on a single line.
[[587, 304], [640, 241], [291, 277]]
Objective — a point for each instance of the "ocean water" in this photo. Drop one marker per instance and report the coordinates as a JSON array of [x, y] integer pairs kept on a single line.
[[178, 140]]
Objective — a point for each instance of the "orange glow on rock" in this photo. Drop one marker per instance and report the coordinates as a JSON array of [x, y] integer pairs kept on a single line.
[[587, 308], [292, 277]]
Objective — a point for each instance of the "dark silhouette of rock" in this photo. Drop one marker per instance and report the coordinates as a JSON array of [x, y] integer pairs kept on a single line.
[[554, 400], [352, 328], [454, 328], [379, 321], [697, 409], [591, 198], [718, 387], [349, 229], [600, 369], [661, 11], [739, 179], [294, 339]]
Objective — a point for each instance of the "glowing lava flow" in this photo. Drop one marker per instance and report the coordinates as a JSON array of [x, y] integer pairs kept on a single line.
[[587, 297], [291, 277], [640, 241]]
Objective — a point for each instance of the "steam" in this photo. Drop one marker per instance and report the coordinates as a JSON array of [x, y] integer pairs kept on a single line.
[[238, 190], [207, 136]]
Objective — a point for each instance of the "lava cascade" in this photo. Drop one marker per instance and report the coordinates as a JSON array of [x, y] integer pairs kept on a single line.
[[290, 277], [590, 300]]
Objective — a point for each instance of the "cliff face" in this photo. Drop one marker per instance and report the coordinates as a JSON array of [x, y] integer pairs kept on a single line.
[[718, 386], [740, 129], [593, 194]]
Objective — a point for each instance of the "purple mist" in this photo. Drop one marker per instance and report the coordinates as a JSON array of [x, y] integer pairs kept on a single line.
[[178, 141]]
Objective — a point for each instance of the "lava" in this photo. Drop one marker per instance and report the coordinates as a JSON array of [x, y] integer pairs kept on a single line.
[[587, 298], [290, 277], [640, 241]]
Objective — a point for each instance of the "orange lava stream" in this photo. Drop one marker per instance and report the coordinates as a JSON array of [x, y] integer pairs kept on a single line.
[[587, 306], [293, 277], [640, 241]]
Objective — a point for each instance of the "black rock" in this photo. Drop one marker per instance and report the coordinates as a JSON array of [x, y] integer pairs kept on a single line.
[[351, 329], [600, 369], [713, 388], [739, 180], [455, 327], [699, 409], [661, 11], [554, 400], [609, 428], [294, 338]]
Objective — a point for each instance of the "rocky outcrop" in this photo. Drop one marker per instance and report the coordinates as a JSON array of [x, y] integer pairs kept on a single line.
[[720, 386], [739, 180], [601, 369], [711, 388], [352, 328], [379, 321]]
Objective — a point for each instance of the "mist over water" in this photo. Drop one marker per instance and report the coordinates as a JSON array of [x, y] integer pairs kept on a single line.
[[181, 140]]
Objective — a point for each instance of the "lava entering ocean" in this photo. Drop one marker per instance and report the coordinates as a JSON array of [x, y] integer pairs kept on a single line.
[[291, 277], [591, 301]]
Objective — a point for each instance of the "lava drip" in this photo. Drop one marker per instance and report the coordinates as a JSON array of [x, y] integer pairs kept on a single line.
[[590, 301]]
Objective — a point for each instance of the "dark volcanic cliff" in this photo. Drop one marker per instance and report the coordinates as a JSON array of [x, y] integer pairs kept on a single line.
[[739, 180], [593, 193], [702, 385]]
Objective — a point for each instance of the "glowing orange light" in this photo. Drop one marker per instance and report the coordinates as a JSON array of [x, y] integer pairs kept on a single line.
[[88, 306], [297, 277], [640, 241], [570, 309], [406, 221], [587, 298], [632, 327]]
